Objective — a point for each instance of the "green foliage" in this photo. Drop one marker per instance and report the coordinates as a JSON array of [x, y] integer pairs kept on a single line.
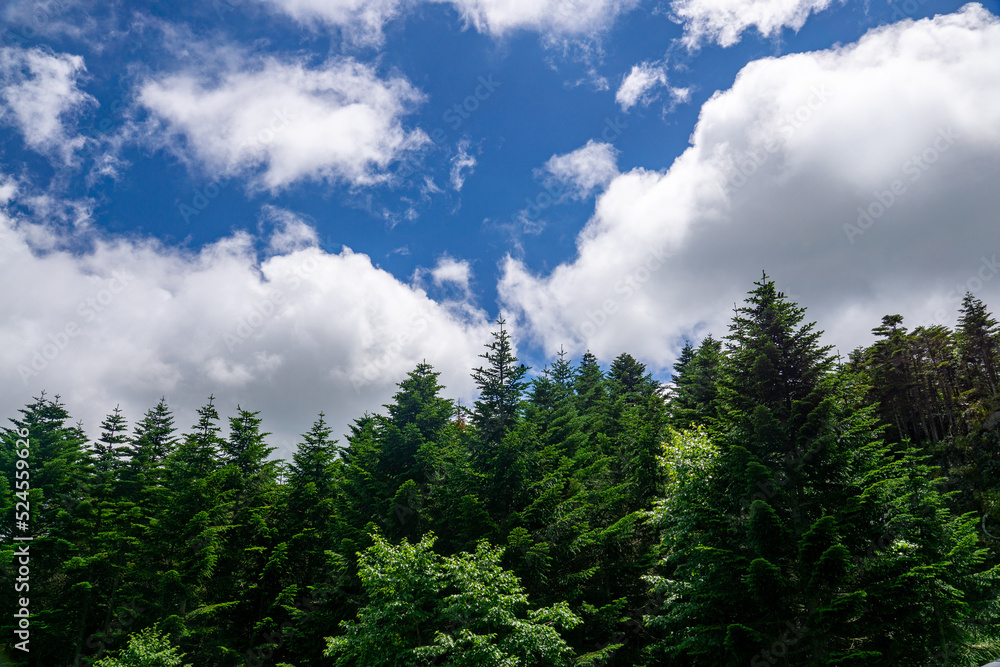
[[772, 506], [500, 382], [696, 384], [424, 609], [793, 513], [148, 648]]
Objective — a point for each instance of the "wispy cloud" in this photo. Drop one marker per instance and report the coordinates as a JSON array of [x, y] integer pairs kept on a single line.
[[462, 164], [41, 97]]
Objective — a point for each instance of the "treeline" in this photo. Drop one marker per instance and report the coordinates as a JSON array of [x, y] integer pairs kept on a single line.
[[774, 505]]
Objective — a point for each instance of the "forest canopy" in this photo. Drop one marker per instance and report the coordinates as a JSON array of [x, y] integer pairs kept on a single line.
[[774, 504]]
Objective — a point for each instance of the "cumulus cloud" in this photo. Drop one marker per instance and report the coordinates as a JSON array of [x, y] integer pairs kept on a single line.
[[585, 170], [41, 97], [862, 178], [363, 21], [300, 331], [290, 232], [555, 17], [283, 122], [724, 21], [453, 271], [637, 85], [462, 165], [450, 284]]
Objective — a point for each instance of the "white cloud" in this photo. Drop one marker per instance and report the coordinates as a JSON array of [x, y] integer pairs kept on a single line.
[[363, 21], [462, 165], [40, 95], [724, 21], [51, 20], [554, 17], [290, 233], [680, 95], [295, 333], [8, 189], [778, 168], [450, 270], [637, 85], [283, 122], [451, 286], [585, 170]]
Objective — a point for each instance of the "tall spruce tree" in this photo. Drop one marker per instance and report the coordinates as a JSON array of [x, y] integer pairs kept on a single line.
[[978, 345], [501, 383], [57, 512], [803, 530], [695, 387], [592, 400]]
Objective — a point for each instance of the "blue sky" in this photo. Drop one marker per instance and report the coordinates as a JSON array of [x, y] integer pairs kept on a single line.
[[288, 203]]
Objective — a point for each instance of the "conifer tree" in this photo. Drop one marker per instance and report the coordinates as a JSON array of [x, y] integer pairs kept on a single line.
[[803, 519], [629, 382], [186, 537], [696, 384], [591, 388], [144, 454], [979, 336], [110, 450], [57, 511], [501, 383]]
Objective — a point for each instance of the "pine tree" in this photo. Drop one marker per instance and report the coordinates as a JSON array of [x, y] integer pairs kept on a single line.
[[694, 398], [110, 448], [591, 388], [142, 458], [501, 383], [187, 535], [248, 485], [800, 519], [892, 379], [629, 382], [979, 336], [58, 513], [636, 425]]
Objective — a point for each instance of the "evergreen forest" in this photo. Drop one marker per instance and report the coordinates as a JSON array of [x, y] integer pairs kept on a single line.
[[774, 504]]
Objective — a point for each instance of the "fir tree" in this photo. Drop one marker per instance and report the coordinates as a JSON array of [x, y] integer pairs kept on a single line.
[[501, 383], [695, 388], [776, 532], [978, 344]]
